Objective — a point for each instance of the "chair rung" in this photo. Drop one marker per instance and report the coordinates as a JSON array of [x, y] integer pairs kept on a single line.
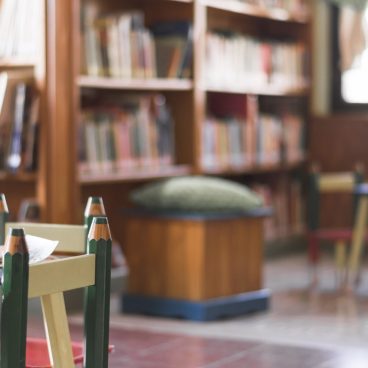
[[62, 275]]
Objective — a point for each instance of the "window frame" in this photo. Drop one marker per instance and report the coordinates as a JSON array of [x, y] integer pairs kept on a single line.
[[338, 104]]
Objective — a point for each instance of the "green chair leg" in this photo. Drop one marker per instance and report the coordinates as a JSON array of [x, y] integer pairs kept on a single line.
[[15, 299], [97, 307]]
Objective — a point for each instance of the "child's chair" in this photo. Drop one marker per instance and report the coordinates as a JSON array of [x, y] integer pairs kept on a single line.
[[48, 280], [337, 182]]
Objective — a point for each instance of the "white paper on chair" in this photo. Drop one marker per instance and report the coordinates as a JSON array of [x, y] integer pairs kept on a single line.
[[38, 248]]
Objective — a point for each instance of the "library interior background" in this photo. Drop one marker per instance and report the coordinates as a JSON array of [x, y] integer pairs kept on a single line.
[[228, 142]]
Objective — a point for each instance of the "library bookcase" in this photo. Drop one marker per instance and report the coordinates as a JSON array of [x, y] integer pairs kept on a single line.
[[21, 89], [238, 100], [14, 179], [263, 98]]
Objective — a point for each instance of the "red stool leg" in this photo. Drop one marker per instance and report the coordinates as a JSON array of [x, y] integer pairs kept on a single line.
[[313, 249], [313, 255]]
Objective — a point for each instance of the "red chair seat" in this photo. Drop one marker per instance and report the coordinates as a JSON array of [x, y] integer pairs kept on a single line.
[[332, 234], [37, 355]]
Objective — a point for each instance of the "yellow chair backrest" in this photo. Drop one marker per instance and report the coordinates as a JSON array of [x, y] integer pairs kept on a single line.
[[72, 238]]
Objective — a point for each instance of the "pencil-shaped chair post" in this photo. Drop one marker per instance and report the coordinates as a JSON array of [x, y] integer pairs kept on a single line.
[[4, 216], [15, 299], [97, 307], [94, 208]]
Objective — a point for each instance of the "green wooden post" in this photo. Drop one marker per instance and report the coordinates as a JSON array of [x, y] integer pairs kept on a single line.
[[15, 301], [97, 307], [4, 216], [94, 208]]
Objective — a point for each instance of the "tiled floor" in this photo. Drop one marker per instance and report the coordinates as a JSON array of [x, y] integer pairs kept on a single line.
[[303, 329]]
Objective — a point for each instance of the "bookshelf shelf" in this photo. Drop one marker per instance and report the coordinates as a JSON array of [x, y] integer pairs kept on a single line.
[[21, 176], [135, 84], [14, 64], [266, 89], [86, 178], [254, 169], [238, 7]]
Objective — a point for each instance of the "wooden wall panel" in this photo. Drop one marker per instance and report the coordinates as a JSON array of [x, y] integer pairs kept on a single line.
[[337, 143]]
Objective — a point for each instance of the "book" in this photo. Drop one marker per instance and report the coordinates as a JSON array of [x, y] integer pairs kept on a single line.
[[165, 130], [29, 211], [17, 18], [91, 63], [173, 41], [30, 161], [14, 156]]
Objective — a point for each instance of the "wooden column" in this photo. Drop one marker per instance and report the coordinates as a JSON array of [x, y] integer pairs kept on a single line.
[[59, 198], [199, 96]]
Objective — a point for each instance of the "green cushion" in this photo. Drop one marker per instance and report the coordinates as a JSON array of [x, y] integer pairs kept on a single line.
[[196, 194]]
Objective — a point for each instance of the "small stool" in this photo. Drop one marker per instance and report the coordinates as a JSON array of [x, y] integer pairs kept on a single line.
[[196, 266]]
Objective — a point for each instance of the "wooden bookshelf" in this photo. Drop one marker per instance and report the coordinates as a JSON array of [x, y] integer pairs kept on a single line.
[[17, 183], [135, 84], [68, 86]]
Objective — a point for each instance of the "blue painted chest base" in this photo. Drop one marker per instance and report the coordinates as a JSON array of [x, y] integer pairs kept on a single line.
[[208, 310]]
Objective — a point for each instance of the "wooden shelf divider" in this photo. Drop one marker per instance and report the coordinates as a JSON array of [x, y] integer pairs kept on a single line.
[[19, 176], [254, 169], [238, 7], [15, 64], [266, 89], [134, 174]]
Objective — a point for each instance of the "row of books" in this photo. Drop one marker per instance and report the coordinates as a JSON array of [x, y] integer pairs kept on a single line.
[[294, 7], [236, 134], [253, 62], [233, 142], [137, 132], [286, 201], [20, 29], [19, 123], [120, 46]]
